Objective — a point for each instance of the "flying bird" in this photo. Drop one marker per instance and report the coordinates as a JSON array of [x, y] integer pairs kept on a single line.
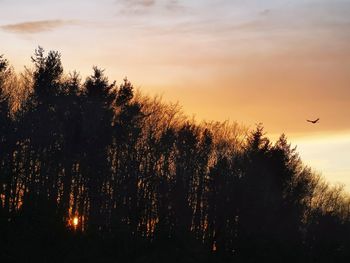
[[313, 121]]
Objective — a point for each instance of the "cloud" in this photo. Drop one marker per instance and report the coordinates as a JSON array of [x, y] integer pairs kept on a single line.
[[138, 4], [174, 5], [33, 27], [265, 12], [146, 6], [145, 3]]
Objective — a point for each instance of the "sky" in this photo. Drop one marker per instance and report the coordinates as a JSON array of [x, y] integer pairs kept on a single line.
[[276, 62]]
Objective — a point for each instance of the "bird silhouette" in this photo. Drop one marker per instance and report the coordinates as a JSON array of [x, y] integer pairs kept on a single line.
[[313, 121]]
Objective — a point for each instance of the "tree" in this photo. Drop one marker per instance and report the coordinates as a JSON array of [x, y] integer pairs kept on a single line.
[[6, 142], [97, 115]]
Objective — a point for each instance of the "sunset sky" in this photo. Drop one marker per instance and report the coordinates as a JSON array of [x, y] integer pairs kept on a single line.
[[277, 62]]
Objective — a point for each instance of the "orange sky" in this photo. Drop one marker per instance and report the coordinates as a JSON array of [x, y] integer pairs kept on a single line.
[[277, 62]]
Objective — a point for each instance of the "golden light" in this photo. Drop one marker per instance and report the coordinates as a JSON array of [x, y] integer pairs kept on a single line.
[[75, 221], [214, 246]]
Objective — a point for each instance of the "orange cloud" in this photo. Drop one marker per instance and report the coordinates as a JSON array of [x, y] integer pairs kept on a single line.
[[35, 26]]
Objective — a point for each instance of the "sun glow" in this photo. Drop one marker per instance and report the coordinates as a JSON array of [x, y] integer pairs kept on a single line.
[[75, 221]]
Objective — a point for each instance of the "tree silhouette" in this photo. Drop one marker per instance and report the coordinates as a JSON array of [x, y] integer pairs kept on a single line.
[[144, 183]]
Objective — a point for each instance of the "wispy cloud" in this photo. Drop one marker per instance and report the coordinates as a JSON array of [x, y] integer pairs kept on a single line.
[[32, 27], [265, 12], [174, 5], [144, 3], [136, 6], [145, 6]]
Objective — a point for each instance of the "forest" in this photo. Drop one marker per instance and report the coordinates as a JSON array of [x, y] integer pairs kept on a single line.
[[95, 171]]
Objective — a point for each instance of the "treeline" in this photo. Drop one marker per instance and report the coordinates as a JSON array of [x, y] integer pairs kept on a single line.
[[139, 173]]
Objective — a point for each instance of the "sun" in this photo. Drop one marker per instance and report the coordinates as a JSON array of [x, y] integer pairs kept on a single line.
[[75, 221]]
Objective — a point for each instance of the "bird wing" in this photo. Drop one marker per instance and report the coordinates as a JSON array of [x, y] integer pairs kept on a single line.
[[314, 121]]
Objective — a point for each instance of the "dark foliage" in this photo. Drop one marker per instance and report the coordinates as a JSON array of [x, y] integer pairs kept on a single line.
[[148, 185]]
